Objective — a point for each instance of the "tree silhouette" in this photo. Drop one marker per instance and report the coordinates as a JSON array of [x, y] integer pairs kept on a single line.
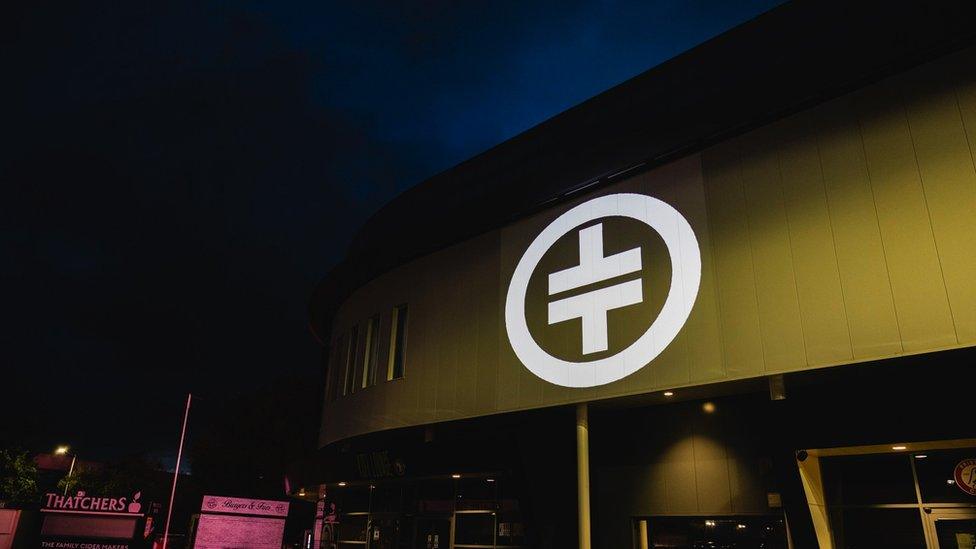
[[18, 476]]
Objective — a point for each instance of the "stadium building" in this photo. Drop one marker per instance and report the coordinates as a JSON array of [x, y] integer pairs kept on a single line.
[[728, 303]]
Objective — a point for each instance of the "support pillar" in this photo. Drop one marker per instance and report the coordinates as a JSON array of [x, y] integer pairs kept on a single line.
[[642, 542], [583, 473]]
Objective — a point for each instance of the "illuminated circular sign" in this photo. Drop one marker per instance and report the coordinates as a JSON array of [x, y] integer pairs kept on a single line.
[[965, 476], [593, 306]]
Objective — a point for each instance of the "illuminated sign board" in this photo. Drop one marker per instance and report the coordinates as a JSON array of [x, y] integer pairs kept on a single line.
[[600, 285], [240, 522], [244, 506], [82, 521], [965, 476], [81, 502]]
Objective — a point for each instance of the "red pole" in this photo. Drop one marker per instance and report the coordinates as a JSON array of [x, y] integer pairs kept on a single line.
[[176, 473]]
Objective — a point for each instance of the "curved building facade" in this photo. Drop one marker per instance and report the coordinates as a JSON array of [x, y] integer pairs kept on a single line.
[[730, 303]]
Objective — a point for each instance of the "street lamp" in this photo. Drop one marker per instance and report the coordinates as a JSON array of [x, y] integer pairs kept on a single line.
[[63, 451]]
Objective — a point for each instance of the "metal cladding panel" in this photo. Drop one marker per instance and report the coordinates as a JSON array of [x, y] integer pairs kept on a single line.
[[819, 292], [842, 234]]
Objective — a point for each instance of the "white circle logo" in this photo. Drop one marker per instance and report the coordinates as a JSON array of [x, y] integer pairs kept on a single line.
[[592, 307]]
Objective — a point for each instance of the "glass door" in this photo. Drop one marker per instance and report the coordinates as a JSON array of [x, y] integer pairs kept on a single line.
[[432, 533], [906, 498], [952, 528], [474, 529], [352, 530], [383, 531]]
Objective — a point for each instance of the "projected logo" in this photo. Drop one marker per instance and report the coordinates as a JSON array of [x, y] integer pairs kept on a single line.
[[603, 290]]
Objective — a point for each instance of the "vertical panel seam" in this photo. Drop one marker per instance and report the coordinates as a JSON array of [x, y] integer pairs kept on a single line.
[[965, 130], [476, 356], [728, 470], [462, 324], [928, 213], [667, 490], [418, 385], [877, 219], [713, 267], [694, 467], [502, 335], [833, 241], [434, 365], [686, 355], [752, 255], [789, 240], [643, 185]]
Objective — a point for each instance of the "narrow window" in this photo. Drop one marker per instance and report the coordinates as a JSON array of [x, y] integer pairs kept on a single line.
[[398, 341], [342, 364], [350, 384], [372, 349], [335, 367]]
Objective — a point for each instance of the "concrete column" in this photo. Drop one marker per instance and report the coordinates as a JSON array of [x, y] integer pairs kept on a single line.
[[814, 490], [583, 473], [642, 542]]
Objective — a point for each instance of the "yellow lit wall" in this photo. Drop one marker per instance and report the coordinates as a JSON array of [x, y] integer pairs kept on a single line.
[[842, 234], [677, 461]]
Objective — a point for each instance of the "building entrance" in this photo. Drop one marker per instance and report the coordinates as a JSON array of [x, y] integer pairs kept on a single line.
[[902, 496], [433, 533], [952, 528]]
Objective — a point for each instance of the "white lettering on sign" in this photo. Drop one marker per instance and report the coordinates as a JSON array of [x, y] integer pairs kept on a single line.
[[244, 506], [81, 545], [83, 503], [593, 307]]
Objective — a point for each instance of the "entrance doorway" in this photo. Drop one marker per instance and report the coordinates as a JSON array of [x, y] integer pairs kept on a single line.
[[383, 531], [952, 528], [695, 532], [898, 496], [433, 533]]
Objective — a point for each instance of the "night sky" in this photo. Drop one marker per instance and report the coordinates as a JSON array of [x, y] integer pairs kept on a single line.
[[179, 175]]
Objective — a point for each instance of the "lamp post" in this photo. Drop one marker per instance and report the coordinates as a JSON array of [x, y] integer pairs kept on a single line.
[[61, 451], [176, 473]]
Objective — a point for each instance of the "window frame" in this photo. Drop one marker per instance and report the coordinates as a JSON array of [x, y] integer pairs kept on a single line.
[[371, 351], [332, 372], [395, 332], [352, 343]]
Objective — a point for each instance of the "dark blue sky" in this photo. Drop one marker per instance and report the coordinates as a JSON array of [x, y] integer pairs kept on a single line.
[[181, 174]]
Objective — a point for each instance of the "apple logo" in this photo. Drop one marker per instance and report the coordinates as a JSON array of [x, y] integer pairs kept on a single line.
[[135, 506]]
